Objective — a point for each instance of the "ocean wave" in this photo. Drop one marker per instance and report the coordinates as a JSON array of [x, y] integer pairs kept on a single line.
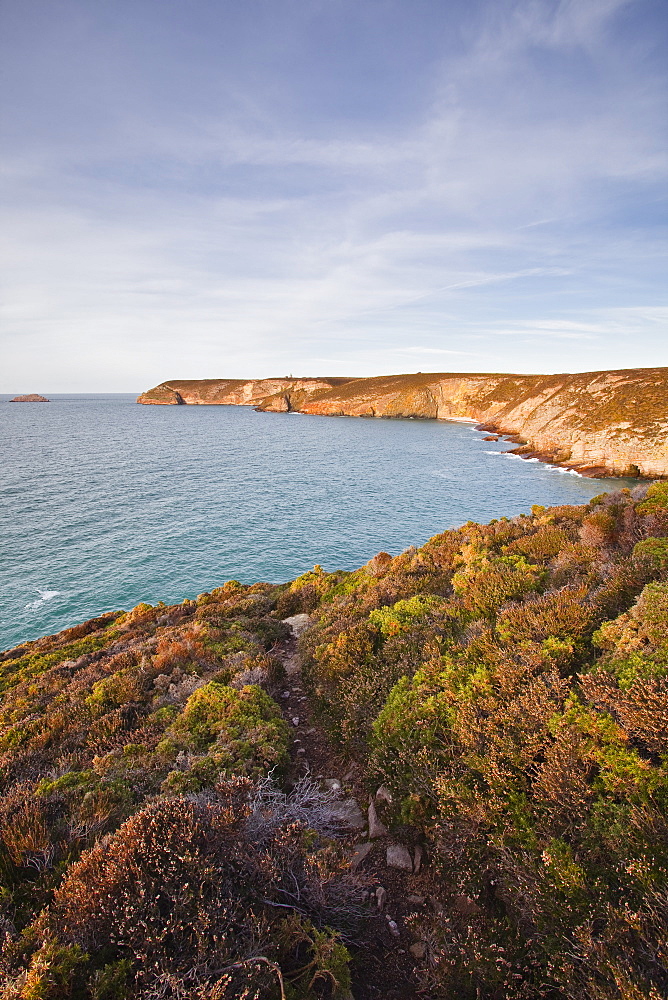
[[44, 596], [547, 465]]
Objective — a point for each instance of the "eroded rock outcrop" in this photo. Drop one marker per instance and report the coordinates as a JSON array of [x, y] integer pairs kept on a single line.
[[32, 397], [599, 423]]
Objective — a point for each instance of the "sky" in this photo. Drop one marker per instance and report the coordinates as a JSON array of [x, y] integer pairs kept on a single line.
[[252, 188]]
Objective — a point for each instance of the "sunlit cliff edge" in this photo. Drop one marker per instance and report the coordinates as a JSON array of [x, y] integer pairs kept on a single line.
[[599, 423]]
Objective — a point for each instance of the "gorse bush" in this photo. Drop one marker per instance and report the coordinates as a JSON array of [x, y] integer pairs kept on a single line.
[[508, 683]]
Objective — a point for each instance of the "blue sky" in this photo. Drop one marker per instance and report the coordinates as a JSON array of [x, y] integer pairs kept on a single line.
[[200, 188]]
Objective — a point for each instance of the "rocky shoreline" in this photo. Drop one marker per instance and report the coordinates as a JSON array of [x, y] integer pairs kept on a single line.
[[610, 423]]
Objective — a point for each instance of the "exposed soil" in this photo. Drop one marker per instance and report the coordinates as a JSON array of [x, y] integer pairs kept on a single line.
[[382, 966]]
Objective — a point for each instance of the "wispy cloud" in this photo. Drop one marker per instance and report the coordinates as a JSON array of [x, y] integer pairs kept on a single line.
[[231, 193]]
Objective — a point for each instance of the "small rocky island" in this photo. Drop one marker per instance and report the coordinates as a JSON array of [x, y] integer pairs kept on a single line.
[[33, 397]]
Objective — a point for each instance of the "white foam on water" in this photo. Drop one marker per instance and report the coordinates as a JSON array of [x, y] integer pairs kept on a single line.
[[44, 596], [564, 472], [554, 468]]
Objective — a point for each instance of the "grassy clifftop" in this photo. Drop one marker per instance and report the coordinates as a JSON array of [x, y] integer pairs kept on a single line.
[[506, 685]]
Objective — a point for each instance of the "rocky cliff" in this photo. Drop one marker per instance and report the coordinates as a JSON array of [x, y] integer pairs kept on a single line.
[[599, 423], [278, 394]]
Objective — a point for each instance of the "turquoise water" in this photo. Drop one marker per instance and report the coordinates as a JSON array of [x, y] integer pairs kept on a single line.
[[104, 503]]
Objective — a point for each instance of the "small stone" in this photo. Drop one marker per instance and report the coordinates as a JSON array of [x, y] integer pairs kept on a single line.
[[332, 784], [298, 623], [286, 694], [349, 776], [418, 854], [399, 856], [295, 720], [376, 828], [301, 750], [415, 900], [361, 852], [384, 795], [393, 928], [418, 950], [348, 814], [381, 897]]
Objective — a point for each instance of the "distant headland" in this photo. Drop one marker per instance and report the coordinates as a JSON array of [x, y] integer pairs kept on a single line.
[[31, 398], [606, 423]]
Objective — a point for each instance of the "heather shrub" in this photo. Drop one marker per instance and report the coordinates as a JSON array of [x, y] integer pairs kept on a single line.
[[403, 615], [409, 735], [486, 584], [26, 834], [652, 553], [188, 652], [348, 651], [651, 610], [574, 565], [32, 665], [562, 617], [544, 544], [597, 529], [305, 593], [223, 730], [181, 893], [120, 688], [655, 501]]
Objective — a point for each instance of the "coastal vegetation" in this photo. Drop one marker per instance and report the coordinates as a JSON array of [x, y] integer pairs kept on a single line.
[[500, 699]]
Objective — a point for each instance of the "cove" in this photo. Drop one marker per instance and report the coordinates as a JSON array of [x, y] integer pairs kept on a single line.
[[104, 503]]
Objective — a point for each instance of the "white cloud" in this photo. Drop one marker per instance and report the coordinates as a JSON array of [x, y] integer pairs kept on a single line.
[[225, 237]]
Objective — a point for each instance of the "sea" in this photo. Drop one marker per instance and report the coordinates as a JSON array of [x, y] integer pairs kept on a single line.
[[105, 503]]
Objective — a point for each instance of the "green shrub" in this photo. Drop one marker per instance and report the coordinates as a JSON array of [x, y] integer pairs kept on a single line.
[[651, 611], [227, 731], [652, 552], [656, 499], [402, 615], [486, 584]]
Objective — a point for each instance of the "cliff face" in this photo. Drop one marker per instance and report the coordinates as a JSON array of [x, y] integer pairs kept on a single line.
[[276, 393], [599, 423]]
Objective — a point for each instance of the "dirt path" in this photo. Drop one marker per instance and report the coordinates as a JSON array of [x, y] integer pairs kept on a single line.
[[383, 965]]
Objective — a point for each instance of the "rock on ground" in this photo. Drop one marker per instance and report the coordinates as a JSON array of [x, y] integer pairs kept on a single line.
[[398, 856]]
